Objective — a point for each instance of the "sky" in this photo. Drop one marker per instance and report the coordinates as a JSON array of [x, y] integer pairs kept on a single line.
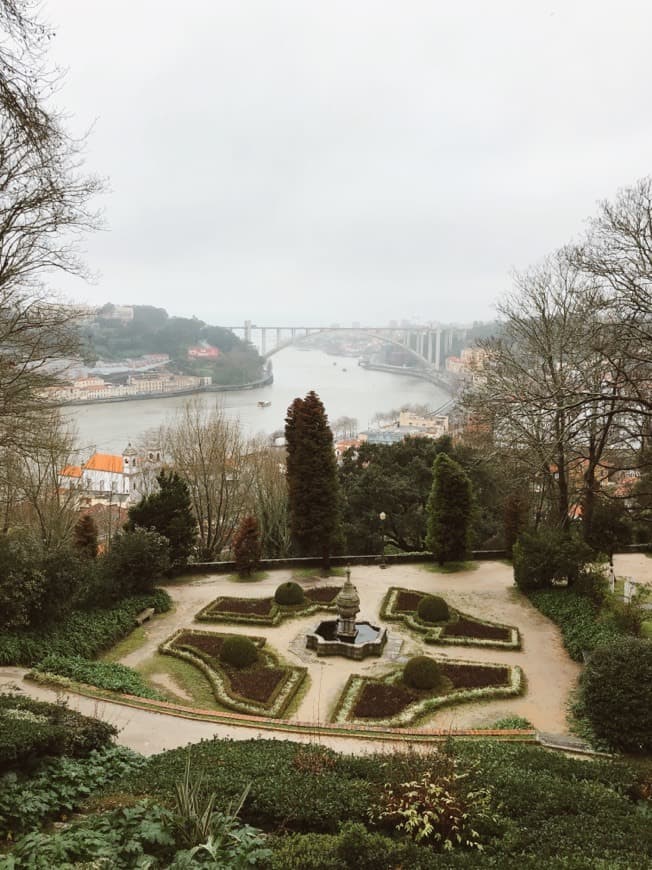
[[315, 161]]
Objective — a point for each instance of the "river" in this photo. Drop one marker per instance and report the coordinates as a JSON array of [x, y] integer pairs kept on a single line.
[[344, 388]]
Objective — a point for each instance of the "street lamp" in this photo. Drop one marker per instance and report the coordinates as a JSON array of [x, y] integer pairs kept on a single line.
[[382, 516]]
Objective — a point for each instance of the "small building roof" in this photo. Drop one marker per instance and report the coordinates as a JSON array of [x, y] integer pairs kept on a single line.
[[105, 462], [72, 471]]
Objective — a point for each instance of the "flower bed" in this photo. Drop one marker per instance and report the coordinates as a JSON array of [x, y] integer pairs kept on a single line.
[[265, 611], [400, 605], [266, 688], [388, 701]]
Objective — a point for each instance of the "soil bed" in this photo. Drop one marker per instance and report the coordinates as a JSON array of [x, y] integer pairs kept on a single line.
[[322, 594], [249, 606], [256, 683], [407, 602], [469, 628], [379, 700]]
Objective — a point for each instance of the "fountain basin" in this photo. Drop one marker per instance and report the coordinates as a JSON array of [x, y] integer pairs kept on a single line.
[[368, 640]]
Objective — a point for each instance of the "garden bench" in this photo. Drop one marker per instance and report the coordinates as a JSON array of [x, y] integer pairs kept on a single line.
[[144, 615]]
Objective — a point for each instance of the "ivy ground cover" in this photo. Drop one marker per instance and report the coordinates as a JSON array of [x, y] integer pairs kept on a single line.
[[265, 688], [265, 611], [389, 701], [400, 605]]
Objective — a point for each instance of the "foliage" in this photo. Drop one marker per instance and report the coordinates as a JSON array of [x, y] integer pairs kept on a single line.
[[82, 632], [312, 479], [59, 786], [247, 547], [611, 526], [136, 560], [435, 810], [514, 519], [104, 675], [509, 723], [449, 511], [31, 729], [238, 651], [422, 672], [546, 555], [85, 536], [616, 694], [433, 608], [577, 616], [168, 512], [289, 593]]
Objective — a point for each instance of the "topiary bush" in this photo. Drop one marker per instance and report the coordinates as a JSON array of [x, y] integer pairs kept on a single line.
[[289, 593], [238, 651], [422, 672], [616, 694], [433, 609]]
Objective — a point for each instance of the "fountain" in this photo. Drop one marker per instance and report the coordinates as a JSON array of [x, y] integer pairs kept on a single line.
[[344, 636]]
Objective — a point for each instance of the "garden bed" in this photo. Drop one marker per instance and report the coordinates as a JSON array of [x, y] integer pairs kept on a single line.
[[265, 611], [400, 605], [265, 688], [388, 701]]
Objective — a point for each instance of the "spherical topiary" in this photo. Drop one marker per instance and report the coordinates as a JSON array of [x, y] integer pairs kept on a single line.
[[433, 609], [238, 651], [616, 694], [289, 593], [422, 672]]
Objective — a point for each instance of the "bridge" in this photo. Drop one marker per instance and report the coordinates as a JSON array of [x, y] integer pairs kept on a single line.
[[430, 345]]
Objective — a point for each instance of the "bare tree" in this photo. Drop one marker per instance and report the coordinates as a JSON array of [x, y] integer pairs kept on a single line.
[[271, 499], [209, 451]]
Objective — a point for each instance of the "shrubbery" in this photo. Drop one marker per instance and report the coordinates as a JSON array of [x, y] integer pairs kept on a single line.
[[104, 675], [422, 672], [238, 651], [546, 555], [289, 594], [32, 729], [84, 632], [433, 609], [136, 560], [616, 694]]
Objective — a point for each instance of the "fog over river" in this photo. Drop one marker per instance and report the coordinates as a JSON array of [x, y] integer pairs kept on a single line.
[[344, 387]]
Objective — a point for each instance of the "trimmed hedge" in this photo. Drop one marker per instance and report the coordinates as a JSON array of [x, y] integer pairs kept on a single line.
[[32, 729], [433, 609], [83, 633], [289, 593], [421, 672], [238, 651]]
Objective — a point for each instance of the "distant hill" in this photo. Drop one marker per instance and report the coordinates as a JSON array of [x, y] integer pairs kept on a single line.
[[119, 332]]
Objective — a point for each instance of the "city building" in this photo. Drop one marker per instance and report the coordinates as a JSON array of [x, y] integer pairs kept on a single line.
[[120, 479]]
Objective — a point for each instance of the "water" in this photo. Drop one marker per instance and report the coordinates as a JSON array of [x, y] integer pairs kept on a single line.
[[344, 387]]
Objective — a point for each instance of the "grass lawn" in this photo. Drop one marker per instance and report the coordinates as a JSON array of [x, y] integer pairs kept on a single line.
[[129, 644], [254, 577], [449, 567], [317, 573], [185, 675]]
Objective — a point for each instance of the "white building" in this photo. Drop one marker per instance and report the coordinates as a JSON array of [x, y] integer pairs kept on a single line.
[[120, 479]]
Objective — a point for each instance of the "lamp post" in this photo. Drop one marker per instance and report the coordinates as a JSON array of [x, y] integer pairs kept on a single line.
[[382, 516]]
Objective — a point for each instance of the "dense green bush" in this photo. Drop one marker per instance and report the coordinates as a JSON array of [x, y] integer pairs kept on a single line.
[[136, 561], [238, 651], [105, 675], [616, 694], [32, 729], [422, 672], [546, 555], [578, 619], [433, 609], [289, 593], [84, 632]]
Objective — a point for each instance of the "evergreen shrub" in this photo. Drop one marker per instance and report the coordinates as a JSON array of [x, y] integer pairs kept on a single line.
[[616, 694], [289, 594], [422, 672], [433, 609], [238, 651]]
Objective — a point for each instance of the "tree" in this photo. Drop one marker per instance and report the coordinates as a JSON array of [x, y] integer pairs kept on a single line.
[[135, 561], [246, 546], [514, 519], [169, 512], [449, 511], [210, 453], [85, 537], [270, 495], [44, 211], [313, 488]]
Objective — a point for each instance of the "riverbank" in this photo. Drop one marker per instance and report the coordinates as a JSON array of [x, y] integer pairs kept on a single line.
[[440, 379], [190, 391]]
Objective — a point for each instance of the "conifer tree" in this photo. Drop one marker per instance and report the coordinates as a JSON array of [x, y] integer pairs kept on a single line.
[[85, 536], [169, 512], [313, 486], [247, 547], [449, 511]]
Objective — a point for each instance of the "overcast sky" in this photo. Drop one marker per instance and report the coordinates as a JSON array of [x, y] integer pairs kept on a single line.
[[319, 160]]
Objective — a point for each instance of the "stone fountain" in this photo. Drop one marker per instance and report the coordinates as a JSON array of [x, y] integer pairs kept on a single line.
[[345, 636]]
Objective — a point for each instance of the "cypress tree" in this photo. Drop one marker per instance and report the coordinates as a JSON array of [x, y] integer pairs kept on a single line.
[[85, 536], [169, 512], [246, 546], [449, 511], [313, 486]]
